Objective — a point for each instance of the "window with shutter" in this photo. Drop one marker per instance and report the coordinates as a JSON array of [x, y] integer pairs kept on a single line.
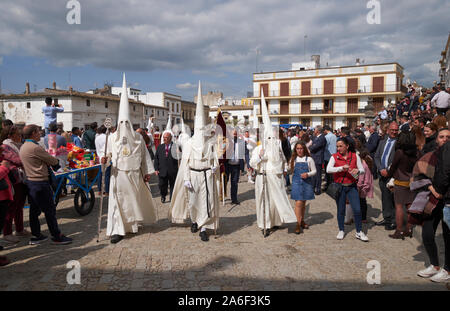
[[265, 89], [306, 88], [378, 84], [328, 86], [284, 107], [352, 85], [378, 103], [306, 107], [284, 89], [352, 105]]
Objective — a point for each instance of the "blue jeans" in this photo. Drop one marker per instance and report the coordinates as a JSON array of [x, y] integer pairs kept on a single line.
[[350, 193], [107, 177]]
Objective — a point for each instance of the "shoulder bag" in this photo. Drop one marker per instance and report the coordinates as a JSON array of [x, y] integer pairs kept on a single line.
[[334, 190]]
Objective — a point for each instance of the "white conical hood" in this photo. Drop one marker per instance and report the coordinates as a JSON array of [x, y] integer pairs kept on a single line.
[[198, 139], [169, 123], [124, 107], [183, 130], [199, 110], [265, 118], [255, 117]]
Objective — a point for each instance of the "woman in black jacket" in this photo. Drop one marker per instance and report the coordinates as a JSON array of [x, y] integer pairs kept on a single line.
[[441, 190], [430, 132]]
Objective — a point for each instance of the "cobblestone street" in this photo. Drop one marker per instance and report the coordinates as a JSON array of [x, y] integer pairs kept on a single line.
[[169, 257]]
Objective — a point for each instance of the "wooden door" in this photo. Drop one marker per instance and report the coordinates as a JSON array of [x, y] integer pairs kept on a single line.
[[284, 107], [352, 85], [306, 88], [328, 86], [352, 105], [284, 89], [306, 107], [378, 84], [378, 104], [265, 89]]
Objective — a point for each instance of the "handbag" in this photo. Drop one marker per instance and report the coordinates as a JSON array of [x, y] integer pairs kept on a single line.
[[334, 190]]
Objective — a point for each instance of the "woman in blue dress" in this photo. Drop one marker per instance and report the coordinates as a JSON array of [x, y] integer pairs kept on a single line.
[[303, 167]]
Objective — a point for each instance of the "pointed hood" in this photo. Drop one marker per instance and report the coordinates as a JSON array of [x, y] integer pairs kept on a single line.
[[183, 130], [169, 125], [124, 107], [268, 132], [199, 110], [255, 117], [198, 139], [125, 136]]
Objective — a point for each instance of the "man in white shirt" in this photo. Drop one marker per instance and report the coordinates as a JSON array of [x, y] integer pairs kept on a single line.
[[100, 141], [441, 101]]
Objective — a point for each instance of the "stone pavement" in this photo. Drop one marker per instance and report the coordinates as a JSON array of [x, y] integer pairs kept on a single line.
[[170, 257]]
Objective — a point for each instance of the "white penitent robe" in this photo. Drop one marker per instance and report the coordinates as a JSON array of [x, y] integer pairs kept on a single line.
[[277, 204], [130, 200], [203, 199], [178, 209]]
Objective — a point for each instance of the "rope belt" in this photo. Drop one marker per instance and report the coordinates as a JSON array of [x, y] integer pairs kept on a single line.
[[208, 207], [203, 170], [261, 174]]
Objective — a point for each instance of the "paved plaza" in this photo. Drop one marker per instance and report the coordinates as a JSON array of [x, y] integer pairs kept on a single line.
[[169, 257]]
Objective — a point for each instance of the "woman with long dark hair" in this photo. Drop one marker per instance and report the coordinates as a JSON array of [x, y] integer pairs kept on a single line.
[[303, 167], [405, 157], [346, 166]]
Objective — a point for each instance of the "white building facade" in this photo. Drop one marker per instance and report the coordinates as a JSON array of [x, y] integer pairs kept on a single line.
[[444, 71], [336, 96], [80, 109]]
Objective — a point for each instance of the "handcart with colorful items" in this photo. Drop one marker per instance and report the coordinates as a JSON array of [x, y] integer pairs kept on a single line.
[[79, 170]]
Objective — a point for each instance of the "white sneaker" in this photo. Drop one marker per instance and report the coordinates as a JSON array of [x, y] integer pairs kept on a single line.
[[250, 180], [441, 276], [11, 238], [428, 272], [340, 235], [361, 236]]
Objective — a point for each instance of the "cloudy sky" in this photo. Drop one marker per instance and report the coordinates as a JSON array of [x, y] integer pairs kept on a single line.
[[170, 45]]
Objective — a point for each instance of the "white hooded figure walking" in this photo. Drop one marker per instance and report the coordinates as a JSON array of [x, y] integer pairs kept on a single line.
[[267, 158], [130, 200], [200, 176], [178, 209]]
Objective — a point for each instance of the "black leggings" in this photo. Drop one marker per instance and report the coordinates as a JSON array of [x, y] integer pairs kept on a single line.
[[428, 234]]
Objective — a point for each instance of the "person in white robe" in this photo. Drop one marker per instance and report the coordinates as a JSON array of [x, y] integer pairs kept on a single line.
[[267, 158], [130, 201], [200, 176]]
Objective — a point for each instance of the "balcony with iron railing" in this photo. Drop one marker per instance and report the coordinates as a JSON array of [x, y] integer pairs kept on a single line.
[[336, 91]]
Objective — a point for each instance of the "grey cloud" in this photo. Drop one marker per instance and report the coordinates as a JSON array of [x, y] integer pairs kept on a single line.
[[221, 36]]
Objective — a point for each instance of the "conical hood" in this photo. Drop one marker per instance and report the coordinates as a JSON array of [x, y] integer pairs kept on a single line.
[[255, 117], [265, 118], [183, 130], [199, 111], [169, 123], [124, 107]]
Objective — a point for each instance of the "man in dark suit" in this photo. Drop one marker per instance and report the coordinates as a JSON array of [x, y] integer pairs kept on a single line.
[[372, 145], [383, 159], [235, 163], [166, 166], [317, 151]]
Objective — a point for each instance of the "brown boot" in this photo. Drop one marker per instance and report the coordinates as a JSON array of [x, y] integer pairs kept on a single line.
[[298, 229], [397, 235], [304, 225]]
